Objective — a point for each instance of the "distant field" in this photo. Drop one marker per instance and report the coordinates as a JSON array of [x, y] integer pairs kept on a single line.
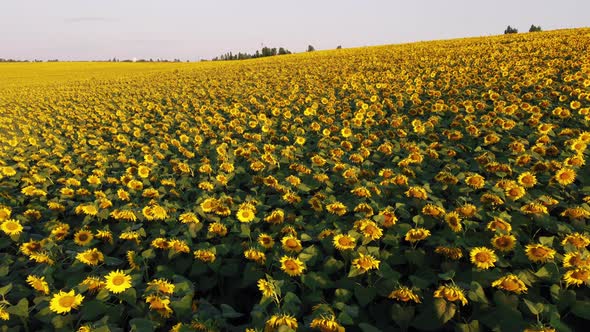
[[429, 186]]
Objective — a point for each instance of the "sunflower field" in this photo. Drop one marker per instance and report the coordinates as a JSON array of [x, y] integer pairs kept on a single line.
[[428, 186]]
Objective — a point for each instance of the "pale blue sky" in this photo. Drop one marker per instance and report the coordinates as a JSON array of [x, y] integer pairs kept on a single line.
[[102, 29]]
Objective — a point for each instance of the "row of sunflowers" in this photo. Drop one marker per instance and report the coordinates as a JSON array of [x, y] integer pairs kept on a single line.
[[426, 186]]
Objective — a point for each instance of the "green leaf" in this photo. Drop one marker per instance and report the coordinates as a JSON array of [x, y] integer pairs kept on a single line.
[[364, 295], [355, 272], [546, 240], [472, 326], [4, 270], [534, 308], [103, 294], [581, 309], [342, 294], [345, 319], [129, 296], [93, 309], [402, 315], [332, 265], [444, 310], [229, 270], [112, 261], [21, 309], [4, 290], [447, 275], [368, 328], [244, 230], [183, 306], [548, 272], [148, 254], [477, 294], [142, 325], [229, 312], [291, 303]]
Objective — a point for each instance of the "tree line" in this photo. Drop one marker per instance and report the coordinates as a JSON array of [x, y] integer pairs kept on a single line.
[[264, 52], [533, 28]]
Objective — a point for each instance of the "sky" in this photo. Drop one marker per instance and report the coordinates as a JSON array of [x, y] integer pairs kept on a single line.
[[194, 30]]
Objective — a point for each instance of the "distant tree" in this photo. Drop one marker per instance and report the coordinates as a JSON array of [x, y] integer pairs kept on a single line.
[[310, 48], [535, 28], [339, 47], [282, 51], [509, 30]]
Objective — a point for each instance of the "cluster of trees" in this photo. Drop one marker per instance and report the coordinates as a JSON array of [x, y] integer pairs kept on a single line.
[[264, 52], [15, 60], [143, 60], [533, 28]]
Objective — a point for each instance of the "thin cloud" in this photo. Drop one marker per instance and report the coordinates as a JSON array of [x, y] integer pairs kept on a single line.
[[89, 19]]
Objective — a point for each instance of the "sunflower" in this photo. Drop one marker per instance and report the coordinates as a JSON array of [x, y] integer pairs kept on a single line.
[[483, 257], [433, 210], [500, 225], [188, 217], [275, 322], [576, 240], [266, 240], [577, 276], [527, 179], [565, 176], [336, 208], [123, 195], [326, 324], [5, 213], [365, 263], [515, 192], [245, 214], [178, 246], [255, 255], [344, 242], [267, 288], [369, 229], [38, 283], [417, 234], [90, 257], [467, 210], [534, 208], [510, 283], [4, 315], [276, 217], [451, 293], [143, 171], [117, 281], [450, 252], [504, 243], [83, 237], [292, 266], [291, 244], [160, 243], [94, 284], [475, 181], [63, 302], [217, 228], [454, 221], [539, 253], [159, 304], [404, 294], [576, 259], [11, 227], [204, 255], [417, 192]]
